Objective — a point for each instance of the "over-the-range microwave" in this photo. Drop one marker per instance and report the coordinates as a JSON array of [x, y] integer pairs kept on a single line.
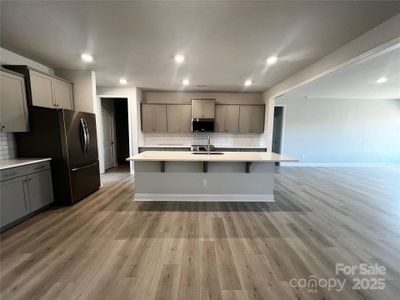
[[202, 125]]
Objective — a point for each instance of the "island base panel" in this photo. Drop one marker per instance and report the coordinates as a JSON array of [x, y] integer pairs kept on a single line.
[[186, 181]]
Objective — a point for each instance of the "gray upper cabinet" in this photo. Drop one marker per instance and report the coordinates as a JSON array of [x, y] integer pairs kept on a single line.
[[50, 92], [13, 105], [251, 118], [227, 118], [63, 94], [154, 117], [45, 90], [179, 117], [41, 90], [203, 108]]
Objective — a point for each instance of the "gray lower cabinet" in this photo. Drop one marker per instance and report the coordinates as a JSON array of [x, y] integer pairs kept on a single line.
[[251, 118], [13, 201], [144, 149], [28, 190], [39, 190], [154, 117], [179, 117], [227, 118]]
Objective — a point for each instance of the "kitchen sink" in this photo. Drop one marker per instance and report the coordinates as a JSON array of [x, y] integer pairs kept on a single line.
[[211, 153]]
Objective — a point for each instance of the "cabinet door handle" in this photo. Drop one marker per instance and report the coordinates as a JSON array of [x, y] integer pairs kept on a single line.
[[10, 174], [39, 168]]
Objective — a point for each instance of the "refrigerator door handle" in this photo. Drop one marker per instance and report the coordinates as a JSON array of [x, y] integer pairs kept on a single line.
[[84, 167], [87, 135], [84, 134]]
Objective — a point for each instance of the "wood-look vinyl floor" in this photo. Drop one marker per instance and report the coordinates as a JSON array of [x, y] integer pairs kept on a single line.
[[109, 247]]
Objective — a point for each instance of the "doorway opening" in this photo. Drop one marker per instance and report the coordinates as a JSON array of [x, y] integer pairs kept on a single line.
[[114, 112], [277, 135]]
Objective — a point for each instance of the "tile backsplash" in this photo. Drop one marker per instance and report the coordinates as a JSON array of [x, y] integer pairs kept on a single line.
[[187, 139], [7, 146]]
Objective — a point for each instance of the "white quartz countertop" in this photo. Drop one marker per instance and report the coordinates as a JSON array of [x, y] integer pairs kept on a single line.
[[18, 162], [189, 146], [225, 157]]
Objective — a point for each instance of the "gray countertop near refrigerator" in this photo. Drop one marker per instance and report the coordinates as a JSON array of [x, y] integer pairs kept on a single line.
[[18, 162]]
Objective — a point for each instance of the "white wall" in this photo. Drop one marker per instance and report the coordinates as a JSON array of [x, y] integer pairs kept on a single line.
[[321, 131], [10, 58], [382, 37], [186, 97], [133, 95]]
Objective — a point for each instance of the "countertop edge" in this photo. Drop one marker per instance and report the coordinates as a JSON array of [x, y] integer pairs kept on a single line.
[[26, 161], [241, 157], [215, 146]]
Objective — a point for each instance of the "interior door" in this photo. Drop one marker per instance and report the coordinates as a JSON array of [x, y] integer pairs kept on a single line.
[[108, 139], [277, 130]]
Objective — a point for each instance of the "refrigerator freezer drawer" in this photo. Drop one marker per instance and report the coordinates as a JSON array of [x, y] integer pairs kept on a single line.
[[84, 181]]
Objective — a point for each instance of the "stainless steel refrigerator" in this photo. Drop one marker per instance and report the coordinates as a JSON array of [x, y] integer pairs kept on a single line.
[[70, 139]]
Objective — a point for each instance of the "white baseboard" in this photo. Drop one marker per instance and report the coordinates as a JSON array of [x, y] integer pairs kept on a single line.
[[204, 197], [346, 165]]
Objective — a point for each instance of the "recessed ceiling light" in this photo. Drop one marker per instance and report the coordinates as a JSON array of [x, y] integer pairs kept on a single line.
[[248, 82], [179, 58], [123, 81], [381, 80], [272, 59], [185, 81], [87, 57]]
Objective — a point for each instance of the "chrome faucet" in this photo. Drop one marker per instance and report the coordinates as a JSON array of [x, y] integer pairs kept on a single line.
[[208, 145]]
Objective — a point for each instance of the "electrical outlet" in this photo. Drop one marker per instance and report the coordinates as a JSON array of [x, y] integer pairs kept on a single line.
[[204, 182]]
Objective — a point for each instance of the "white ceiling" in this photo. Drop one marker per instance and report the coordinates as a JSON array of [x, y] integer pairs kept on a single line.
[[357, 81], [225, 42]]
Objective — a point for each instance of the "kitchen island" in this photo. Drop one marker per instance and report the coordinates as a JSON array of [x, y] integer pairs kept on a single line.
[[194, 176]]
